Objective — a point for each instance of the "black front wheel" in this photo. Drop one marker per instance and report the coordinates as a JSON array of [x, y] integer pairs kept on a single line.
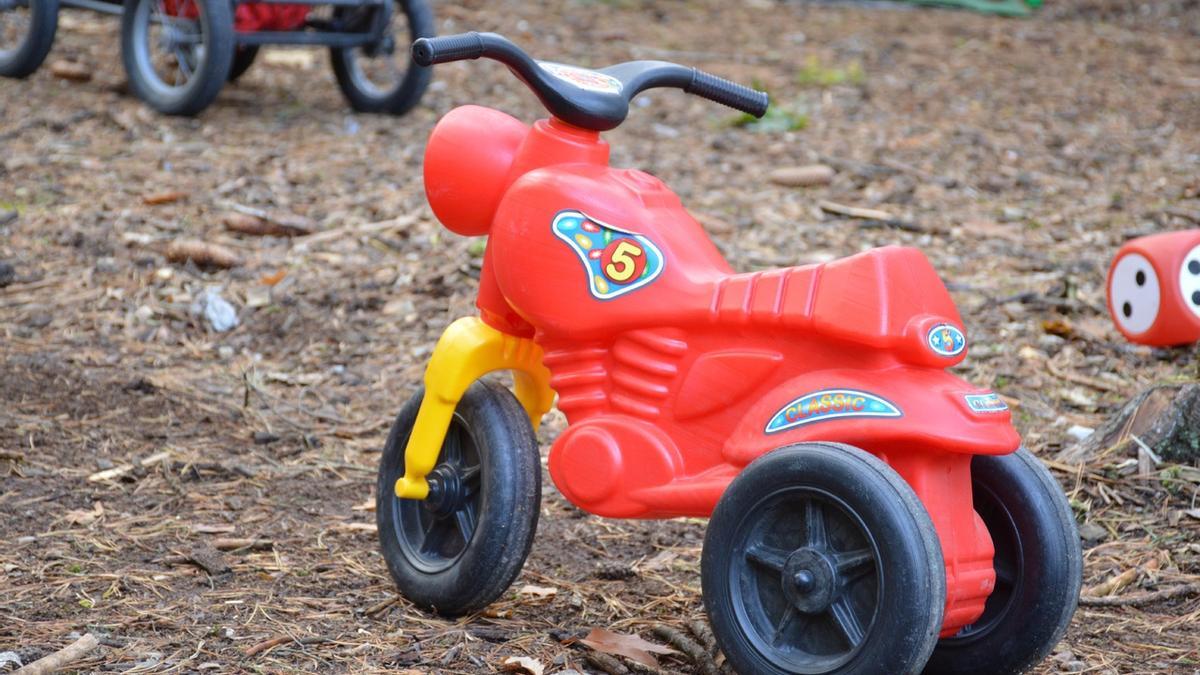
[[457, 550], [177, 53], [819, 558], [381, 77], [27, 30], [1039, 568]]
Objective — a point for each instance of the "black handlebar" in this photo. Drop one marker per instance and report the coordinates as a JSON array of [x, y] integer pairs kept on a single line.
[[732, 94], [591, 99], [428, 51]]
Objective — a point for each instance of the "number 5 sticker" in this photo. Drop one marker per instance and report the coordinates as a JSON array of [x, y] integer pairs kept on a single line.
[[617, 261], [623, 260]]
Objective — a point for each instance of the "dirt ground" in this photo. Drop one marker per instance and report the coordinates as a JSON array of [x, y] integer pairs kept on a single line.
[[1017, 154]]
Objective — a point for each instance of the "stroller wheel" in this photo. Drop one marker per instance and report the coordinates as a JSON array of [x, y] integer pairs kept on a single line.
[[27, 30], [177, 53], [382, 78]]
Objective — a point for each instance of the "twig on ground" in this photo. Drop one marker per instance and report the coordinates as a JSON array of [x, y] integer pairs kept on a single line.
[[704, 634], [268, 645], [1114, 584], [605, 663], [693, 650], [1140, 599], [1077, 378], [869, 215], [1178, 212], [351, 230], [380, 606], [61, 658]]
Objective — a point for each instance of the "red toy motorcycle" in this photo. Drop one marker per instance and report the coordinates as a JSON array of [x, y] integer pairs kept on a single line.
[[870, 512]]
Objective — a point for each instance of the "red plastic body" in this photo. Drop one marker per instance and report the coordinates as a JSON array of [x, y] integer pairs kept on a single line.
[[674, 372], [1170, 264]]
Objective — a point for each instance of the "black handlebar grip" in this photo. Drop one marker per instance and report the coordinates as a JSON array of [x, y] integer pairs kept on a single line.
[[428, 51], [728, 93]]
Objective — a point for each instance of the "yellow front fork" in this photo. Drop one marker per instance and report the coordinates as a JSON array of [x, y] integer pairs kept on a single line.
[[468, 350]]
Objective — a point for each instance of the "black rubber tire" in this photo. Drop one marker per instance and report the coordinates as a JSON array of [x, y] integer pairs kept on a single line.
[[456, 580], [24, 58], [1039, 568], [243, 58], [408, 91], [873, 505], [216, 18]]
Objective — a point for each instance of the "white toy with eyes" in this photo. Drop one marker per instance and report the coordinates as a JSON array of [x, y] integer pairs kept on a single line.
[[1154, 289], [1189, 281]]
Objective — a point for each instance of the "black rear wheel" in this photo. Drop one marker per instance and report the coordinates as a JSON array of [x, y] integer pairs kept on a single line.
[[27, 30], [1039, 568], [457, 550], [381, 77], [820, 559]]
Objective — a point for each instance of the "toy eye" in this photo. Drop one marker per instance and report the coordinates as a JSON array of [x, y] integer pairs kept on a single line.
[[1134, 294], [1189, 280]]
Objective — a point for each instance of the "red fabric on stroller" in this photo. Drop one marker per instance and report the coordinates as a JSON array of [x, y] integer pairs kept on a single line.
[[250, 17]]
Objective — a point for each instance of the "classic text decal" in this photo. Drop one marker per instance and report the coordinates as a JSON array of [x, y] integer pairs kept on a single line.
[[830, 404], [985, 403]]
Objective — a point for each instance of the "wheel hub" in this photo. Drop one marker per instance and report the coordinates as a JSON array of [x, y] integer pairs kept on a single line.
[[446, 491], [809, 580], [170, 39]]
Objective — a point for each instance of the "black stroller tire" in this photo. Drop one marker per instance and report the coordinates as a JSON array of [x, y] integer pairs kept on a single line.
[[243, 58], [211, 71], [22, 59], [460, 548], [819, 558], [1039, 569], [402, 95]]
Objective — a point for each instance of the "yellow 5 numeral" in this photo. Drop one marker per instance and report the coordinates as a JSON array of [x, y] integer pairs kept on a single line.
[[623, 264]]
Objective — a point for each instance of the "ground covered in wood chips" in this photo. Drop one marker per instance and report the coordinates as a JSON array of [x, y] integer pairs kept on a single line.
[[201, 500]]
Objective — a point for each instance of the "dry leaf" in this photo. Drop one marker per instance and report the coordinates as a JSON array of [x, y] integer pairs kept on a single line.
[[85, 517], [853, 211], [109, 474], [69, 70], [201, 528], [915, 142], [713, 224], [163, 197], [531, 591], [661, 561], [272, 279], [630, 646], [262, 226], [1059, 327], [297, 380], [523, 664], [990, 229], [202, 253], [258, 297], [801, 176], [291, 58]]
